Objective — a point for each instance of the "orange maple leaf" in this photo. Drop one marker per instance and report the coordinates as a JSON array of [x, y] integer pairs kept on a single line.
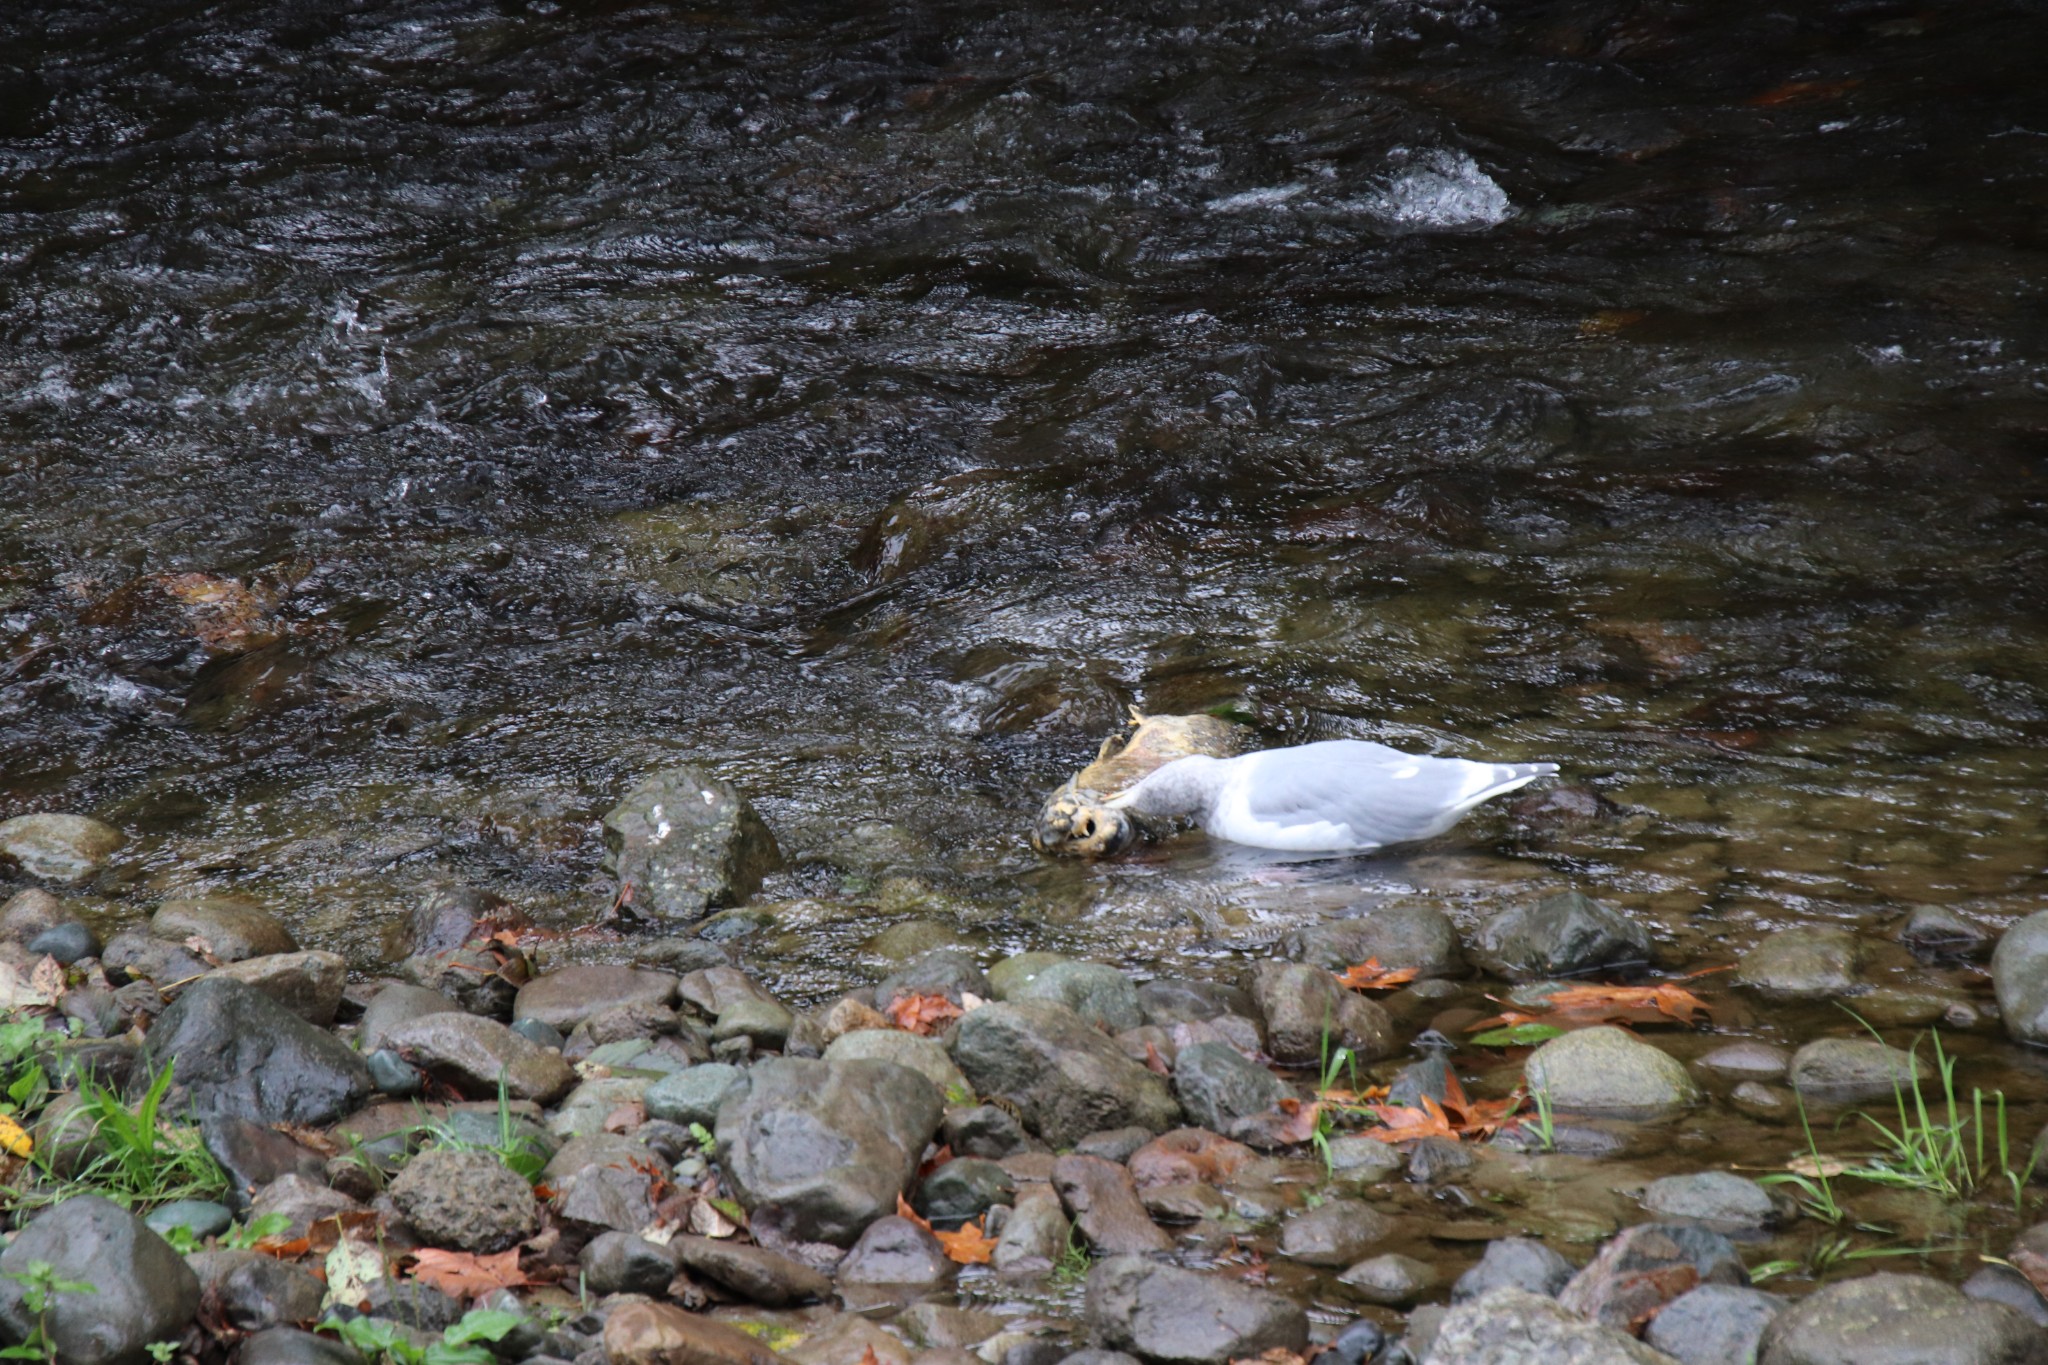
[[1406, 1123], [868, 1357], [922, 1014], [968, 1246], [1580, 1006], [1369, 975], [464, 1274]]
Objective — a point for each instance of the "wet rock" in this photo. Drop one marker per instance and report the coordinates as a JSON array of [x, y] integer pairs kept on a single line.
[[593, 1103], [1935, 932], [1164, 1314], [754, 1273], [597, 1196], [1515, 1327], [620, 1263], [467, 1200], [1647, 1266], [713, 990], [663, 1334], [237, 1052], [1018, 970], [307, 984], [1720, 1199], [142, 1291], [1363, 1160], [985, 1131], [65, 942], [1100, 994], [1338, 1232], [448, 917], [1065, 1077], [1561, 808], [290, 1346], [135, 954], [1714, 1324], [483, 979], [951, 972], [694, 1095], [1167, 1001], [1749, 1060], [31, 912], [200, 1218], [1849, 1068], [896, 1251], [1561, 935], [398, 1003], [1309, 1016], [1607, 1070], [849, 1339], [254, 1154], [1771, 1103], [1898, 1318], [253, 1291], [566, 997], [1391, 1280], [2019, 971], [764, 1023], [1514, 1263], [1034, 1237], [1803, 962], [64, 850], [1113, 1144], [228, 928], [416, 1305], [1189, 1203], [1103, 1202], [1190, 1155], [1399, 936], [1092, 1357], [684, 843], [817, 1150], [1434, 1160], [2003, 1284], [961, 1189], [473, 1053], [302, 1200], [1217, 1086]]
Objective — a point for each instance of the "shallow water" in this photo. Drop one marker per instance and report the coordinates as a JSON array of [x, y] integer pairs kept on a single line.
[[872, 402]]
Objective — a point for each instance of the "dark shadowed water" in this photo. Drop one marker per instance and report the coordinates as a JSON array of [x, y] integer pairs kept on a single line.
[[873, 400]]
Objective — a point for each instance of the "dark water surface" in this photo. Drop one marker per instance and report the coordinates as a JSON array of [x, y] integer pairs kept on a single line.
[[873, 400]]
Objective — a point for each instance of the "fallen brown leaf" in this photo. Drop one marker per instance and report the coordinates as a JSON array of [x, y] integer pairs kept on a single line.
[[1369, 975], [922, 1014], [465, 1274]]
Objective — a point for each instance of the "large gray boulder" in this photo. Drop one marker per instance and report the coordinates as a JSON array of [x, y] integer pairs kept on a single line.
[[1515, 1327], [1165, 1314], [474, 1054], [1899, 1320], [1609, 1071], [684, 843], [1398, 936], [1309, 1016], [1560, 935], [1065, 1077], [237, 1052], [64, 849], [142, 1291], [818, 1150], [2019, 970]]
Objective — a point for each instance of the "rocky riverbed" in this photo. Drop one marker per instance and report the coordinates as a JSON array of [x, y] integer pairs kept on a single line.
[[1392, 1138]]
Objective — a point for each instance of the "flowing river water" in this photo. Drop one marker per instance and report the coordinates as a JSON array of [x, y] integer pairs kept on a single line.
[[872, 401]]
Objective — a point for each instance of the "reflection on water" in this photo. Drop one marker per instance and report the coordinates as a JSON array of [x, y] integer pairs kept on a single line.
[[874, 403]]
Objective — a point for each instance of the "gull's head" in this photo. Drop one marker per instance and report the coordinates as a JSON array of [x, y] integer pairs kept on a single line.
[[1077, 822]]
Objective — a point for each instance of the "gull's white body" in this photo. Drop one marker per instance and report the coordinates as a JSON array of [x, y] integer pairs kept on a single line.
[[1336, 796]]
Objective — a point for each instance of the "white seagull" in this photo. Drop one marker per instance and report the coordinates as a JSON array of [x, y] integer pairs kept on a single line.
[[1334, 796]]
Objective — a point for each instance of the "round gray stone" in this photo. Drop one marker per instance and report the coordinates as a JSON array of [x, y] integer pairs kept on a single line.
[[1609, 1071]]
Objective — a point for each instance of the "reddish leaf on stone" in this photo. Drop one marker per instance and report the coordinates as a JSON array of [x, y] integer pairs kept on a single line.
[[1369, 975], [922, 1014], [2031, 1264], [1582, 1006], [626, 1117], [465, 1274], [868, 1357], [1406, 1123], [1155, 1063], [325, 1233], [1301, 1121], [968, 1246]]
